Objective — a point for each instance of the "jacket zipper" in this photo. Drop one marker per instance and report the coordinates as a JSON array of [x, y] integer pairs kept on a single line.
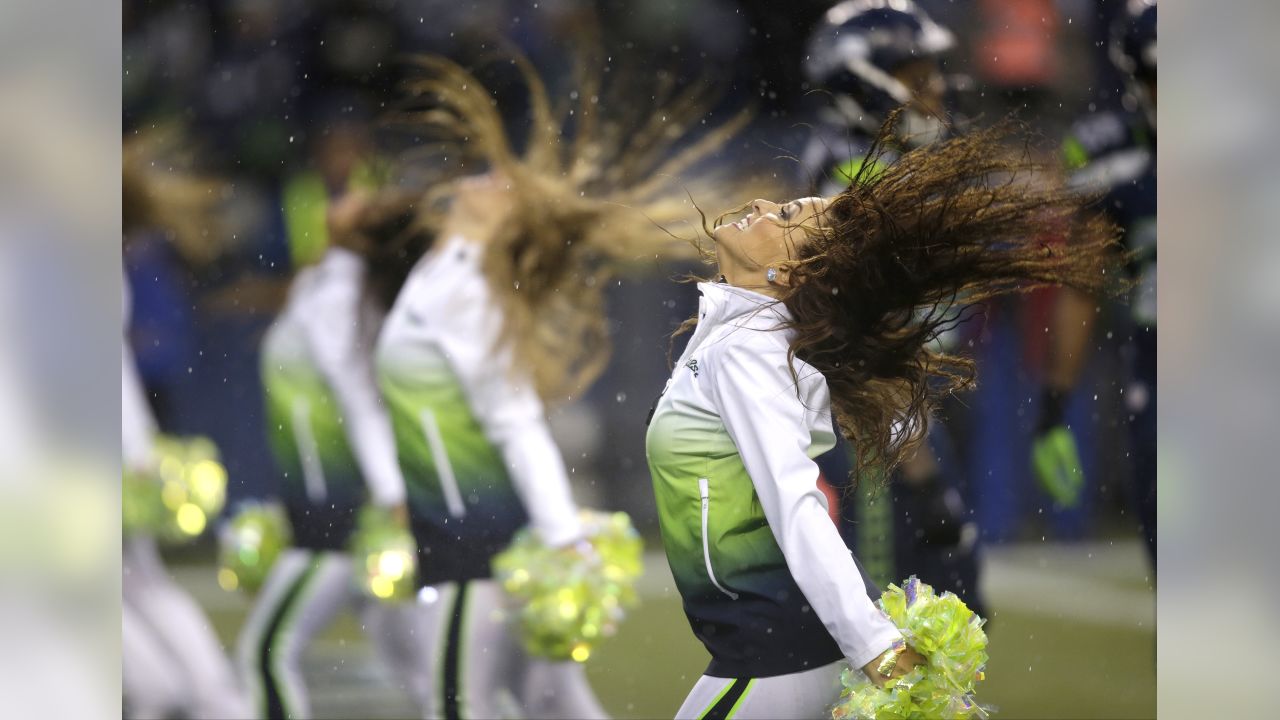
[[705, 492], [448, 481], [308, 451]]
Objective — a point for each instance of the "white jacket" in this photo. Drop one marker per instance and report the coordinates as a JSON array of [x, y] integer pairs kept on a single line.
[[447, 376], [731, 447], [328, 325]]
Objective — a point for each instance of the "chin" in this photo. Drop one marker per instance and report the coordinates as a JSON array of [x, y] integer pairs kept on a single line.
[[720, 234]]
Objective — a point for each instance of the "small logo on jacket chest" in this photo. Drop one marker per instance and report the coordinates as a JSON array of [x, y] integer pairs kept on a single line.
[[693, 365]]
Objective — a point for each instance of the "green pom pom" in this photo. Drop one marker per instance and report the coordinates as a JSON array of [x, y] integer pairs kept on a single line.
[[249, 545], [570, 599], [181, 494], [951, 639], [384, 556], [141, 510]]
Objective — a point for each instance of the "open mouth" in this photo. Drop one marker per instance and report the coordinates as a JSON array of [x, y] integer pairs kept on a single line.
[[742, 223]]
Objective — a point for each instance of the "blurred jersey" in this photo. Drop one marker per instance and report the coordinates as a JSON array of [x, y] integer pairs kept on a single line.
[[1114, 153]]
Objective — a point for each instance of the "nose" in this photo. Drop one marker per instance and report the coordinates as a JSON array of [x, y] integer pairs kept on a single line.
[[763, 207]]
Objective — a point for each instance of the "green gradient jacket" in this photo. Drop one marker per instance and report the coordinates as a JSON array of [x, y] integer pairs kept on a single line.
[[768, 585], [326, 424], [478, 458]]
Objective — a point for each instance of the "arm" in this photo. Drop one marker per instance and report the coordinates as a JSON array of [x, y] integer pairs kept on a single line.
[[771, 428], [342, 354], [137, 425], [1072, 328]]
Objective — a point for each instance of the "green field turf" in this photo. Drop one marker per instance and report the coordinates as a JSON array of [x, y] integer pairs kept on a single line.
[[1072, 636]]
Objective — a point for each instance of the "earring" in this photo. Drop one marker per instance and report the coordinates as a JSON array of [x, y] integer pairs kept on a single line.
[[771, 274]]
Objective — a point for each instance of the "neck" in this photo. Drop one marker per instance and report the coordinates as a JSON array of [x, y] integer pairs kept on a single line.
[[752, 279]]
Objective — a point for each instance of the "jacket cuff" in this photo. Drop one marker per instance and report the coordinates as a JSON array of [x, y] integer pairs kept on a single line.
[[881, 643], [565, 531]]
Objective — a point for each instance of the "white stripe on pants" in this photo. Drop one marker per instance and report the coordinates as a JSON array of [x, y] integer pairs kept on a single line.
[[808, 694], [170, 653], [302, 595], [470, 663]]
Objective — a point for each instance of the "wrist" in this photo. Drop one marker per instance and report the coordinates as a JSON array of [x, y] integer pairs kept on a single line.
[[564, 533]]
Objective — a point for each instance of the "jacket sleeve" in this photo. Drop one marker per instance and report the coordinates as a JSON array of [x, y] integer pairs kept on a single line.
[[507, 406], [137, 425], [332, 320], [763, 410]]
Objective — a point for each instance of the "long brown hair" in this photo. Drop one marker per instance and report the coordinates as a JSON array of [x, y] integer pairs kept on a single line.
[[387, 234], [159, 190], [595, 187], [886, 265]]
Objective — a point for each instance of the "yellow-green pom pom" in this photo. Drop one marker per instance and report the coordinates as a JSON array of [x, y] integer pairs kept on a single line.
[[249, 545], [141, 510], [384, 555], [570, 599], [950, 638], [184, 491]]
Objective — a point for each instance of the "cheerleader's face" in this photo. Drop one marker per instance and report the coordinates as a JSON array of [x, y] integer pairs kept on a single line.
[[769, 234]]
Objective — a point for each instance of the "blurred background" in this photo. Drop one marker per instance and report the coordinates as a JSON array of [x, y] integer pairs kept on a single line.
[[280, 97]]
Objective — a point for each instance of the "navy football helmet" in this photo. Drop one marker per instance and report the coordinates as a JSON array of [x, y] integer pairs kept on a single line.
[[859, 44]]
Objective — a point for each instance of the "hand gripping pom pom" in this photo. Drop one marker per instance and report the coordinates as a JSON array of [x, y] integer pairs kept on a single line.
[[249, 544], [949, 636], [384, 555], [569, 599], [178, 497]]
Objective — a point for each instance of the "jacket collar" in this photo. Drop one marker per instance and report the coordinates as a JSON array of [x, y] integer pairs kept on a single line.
[[725, 303]]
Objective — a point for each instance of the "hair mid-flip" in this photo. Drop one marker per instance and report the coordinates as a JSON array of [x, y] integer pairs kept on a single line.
[[387, 234], [596, 186], [882, 271], [160, 190]]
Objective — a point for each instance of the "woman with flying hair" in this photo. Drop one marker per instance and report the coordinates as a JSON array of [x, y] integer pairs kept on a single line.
[[332, 441], [504, 314], [822, 307], [171, 661]]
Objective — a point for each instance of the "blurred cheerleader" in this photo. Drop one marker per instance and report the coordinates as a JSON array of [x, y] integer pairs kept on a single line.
[[172, 662], [505, 312], [829, 306], [331, 437]]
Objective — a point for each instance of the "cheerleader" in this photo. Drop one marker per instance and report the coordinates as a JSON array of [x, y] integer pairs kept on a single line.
[[506, 311], [171, 660], [815, 315], [332, 440]]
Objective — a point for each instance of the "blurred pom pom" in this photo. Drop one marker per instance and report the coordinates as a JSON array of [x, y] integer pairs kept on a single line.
[[384, 555], [569, 599], [183, 491], [141, 510], [249, 544], [949, 636]]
